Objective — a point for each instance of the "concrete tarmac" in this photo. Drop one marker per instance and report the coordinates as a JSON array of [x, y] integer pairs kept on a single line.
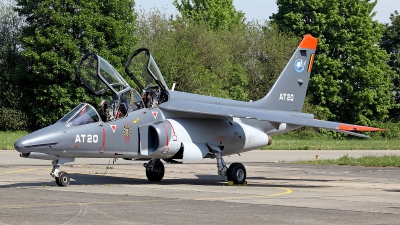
[[278, 192]]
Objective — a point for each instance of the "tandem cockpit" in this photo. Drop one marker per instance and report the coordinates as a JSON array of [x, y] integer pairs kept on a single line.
[[118, 98]]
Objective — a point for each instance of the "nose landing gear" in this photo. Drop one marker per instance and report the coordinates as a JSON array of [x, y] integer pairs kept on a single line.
[[62, 178]]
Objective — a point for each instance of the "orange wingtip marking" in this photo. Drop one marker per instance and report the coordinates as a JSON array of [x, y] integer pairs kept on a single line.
[[309, 42], [348, 127]]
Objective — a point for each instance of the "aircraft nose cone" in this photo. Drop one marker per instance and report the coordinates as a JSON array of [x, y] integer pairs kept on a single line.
[[39, 140], [20, 144]]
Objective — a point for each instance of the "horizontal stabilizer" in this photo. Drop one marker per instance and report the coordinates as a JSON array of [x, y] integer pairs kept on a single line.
[[206, 110]]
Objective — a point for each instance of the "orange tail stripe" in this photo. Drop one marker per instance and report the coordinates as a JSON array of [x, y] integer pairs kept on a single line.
[[311, 63], [309, 42]]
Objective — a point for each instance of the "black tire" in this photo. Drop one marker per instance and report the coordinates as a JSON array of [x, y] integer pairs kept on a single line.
[[63, 179], [236, 173], [229, 175], [57, 181], [157, 174]]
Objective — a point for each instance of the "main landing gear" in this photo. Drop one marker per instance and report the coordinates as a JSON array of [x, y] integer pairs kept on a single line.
[[236, 171], [62, 178], [154, 170]]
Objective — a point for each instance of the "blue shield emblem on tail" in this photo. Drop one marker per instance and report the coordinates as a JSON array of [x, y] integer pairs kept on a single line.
[[299, 65]]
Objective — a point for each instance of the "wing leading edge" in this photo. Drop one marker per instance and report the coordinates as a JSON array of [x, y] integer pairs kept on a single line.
[[200, 109]]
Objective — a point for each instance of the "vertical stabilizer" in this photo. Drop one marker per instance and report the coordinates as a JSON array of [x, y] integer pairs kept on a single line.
[[289, 90]]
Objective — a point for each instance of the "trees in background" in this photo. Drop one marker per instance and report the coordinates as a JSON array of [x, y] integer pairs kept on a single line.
[[390, 42], [56, 35], [351, 81], [238, 63], [217, 14], [12, 115], [210, 49], [231, 60]]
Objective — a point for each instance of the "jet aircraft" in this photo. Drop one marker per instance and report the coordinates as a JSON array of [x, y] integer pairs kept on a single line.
[[160, 124]]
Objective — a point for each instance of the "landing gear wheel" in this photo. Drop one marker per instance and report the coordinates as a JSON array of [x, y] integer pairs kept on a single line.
[[157, 172], [236, 173], [63, 179]]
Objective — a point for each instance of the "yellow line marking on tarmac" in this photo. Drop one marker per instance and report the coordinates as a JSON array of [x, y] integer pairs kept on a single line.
[[18, 171], [287, 191]]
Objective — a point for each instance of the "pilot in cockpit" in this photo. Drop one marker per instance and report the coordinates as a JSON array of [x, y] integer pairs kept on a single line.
[[85, 116], [108, 110], [120, 105], [151, 98]]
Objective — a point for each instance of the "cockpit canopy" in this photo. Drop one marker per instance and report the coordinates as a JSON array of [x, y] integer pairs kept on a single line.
[[82, 114], [143, 70], [99, 76], [114, 109]]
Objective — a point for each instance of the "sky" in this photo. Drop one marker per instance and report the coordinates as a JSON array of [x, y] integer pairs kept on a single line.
[[262, 9]]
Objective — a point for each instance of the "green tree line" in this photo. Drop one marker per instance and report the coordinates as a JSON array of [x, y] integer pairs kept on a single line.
[[209, 48]]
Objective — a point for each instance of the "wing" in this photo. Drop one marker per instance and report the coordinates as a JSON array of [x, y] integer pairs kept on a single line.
[[275, 117]]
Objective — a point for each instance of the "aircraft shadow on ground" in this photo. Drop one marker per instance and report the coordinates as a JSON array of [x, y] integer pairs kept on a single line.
[[393, 190], [202, 179], [107, 179]]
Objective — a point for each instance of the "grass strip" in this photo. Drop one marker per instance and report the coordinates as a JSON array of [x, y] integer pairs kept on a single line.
[[333, 144], [7, 138], [367, 160]]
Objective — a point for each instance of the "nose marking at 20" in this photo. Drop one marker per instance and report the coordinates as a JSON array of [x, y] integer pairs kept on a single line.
[[88, 138]]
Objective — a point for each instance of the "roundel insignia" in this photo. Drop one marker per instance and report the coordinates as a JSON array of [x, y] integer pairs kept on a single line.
[[299, 65]]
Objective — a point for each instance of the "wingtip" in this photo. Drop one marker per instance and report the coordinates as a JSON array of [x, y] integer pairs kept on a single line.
[[309, 42], [349, 127]]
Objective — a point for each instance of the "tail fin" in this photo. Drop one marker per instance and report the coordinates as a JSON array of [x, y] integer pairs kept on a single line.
[[289, 90]]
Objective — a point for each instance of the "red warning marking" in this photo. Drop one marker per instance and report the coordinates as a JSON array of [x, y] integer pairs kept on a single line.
[[103, 142], [113, 128], [166, 133], [174, 137], [155, 114], [173, 130], [220, 138]]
